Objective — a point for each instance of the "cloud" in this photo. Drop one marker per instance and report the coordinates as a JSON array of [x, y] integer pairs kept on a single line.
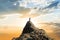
[[36, 7], [57, 29], [54, 27], [34, 3], [31, 7], [2, 17], [50, 8], [8, 5]]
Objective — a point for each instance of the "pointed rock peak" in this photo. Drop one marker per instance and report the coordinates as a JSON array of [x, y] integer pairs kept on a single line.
[[30, 32], [29, 27]]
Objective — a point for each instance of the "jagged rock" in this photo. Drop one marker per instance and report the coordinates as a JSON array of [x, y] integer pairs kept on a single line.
[[30, 32], [29, 27]]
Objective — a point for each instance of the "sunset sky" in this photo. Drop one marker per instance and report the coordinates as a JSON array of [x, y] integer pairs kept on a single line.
[[44, 14]]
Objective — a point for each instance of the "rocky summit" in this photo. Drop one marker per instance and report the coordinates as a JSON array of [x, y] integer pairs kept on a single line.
[[30, 32]]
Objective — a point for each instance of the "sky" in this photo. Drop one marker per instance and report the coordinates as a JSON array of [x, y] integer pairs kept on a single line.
[[43, 10], [15, 13]]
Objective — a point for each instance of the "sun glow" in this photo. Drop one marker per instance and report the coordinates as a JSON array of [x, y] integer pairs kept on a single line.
[[15, 25], [11, 20], [14, 20]]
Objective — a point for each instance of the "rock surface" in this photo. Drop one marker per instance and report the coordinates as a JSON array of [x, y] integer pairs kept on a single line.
[[30, 32]]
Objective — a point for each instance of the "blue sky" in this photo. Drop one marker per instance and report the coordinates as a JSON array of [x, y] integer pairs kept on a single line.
[[40, 7], [16, 5]]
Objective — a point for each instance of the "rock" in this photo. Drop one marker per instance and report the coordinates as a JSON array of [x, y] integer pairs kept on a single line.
[[30, 32]]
